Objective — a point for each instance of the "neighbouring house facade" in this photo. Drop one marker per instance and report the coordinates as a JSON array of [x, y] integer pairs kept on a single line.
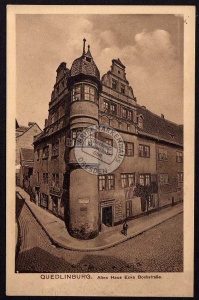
[[150, 175], [24, 143]]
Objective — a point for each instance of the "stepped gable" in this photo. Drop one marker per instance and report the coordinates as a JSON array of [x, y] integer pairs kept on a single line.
[[160, 128]]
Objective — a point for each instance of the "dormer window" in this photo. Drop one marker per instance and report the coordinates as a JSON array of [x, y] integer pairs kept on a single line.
[[140, 121], [88, 59], [114, 84]]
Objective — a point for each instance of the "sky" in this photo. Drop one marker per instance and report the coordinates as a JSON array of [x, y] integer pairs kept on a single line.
[[150, 46]]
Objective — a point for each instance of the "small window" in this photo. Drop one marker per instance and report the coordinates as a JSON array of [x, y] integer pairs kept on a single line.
[[106, 106], [124, 180], [45, 152], [102, 182], [111, 182], [45, 178], [124, 113], [113, 108], [145, 179], [129, 149], [128, 180], [88, 59], [55, 149], [118, 71], [55, 180], [53, 117], [162, 154], [164, 179], [179, 157], [114, 84], [144, 151], [122, 88], [129, 115]]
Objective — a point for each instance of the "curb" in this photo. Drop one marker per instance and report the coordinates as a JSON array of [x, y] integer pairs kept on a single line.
[[59, 244]]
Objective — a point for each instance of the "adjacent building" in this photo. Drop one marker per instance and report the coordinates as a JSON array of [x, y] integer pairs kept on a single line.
[[24, 150], [151, 174]]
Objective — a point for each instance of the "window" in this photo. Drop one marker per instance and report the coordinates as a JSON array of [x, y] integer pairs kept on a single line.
[[89, 93], [55, 149], [88, 59], [151, 201], [75, 132], [45, 178], [164, 179], [140, 122], [111, 182], [55, 180], [109, 142], [179, 157], [45, 152], [127, 180], [44, 200], [106, 106], [124, 113], [113, 108], [145, 179], [129, 115], [162, 154], [134, 116], [114, 84], [37, 177], [180, 177], [38, 154], [53, 117], [76, 93], [144, 151], [129, 149], [106, 182], [102, 182], [122, 88]]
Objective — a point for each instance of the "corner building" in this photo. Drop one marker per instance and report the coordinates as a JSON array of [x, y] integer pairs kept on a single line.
[[89, 203]]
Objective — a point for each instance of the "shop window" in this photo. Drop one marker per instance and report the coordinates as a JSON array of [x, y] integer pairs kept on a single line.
[[144, 151], [129, 149], [179, 157], [162, 154]]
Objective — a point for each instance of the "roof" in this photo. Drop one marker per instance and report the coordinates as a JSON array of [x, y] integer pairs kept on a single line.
[[27, 154], [118, 61], [83, 66], [22, 129], [160, 128]]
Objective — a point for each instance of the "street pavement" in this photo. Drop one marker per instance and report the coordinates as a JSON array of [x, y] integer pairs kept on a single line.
[[159, 249], [109, 236]]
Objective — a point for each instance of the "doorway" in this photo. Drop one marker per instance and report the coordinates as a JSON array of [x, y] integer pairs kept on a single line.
[[107, 216]]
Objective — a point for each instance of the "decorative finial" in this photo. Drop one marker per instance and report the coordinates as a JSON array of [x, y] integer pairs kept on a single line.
[[88, 47], [84, 41]]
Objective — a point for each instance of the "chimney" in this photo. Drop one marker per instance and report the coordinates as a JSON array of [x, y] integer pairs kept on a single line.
[[162, 116], [84, 42]]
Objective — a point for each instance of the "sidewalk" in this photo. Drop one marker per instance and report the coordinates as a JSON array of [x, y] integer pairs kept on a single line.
[[58, 234]]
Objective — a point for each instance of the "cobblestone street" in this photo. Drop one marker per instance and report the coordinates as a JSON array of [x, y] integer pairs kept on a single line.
[[159, 249]]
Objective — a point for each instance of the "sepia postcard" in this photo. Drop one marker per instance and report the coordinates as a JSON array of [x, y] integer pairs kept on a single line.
[[100, 159]]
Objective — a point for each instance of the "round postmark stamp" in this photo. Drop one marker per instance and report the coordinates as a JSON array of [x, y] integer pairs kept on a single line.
[[99, 149]]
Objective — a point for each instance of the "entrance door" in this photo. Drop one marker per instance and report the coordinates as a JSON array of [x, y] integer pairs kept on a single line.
[[107, 216], [128, 208]]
